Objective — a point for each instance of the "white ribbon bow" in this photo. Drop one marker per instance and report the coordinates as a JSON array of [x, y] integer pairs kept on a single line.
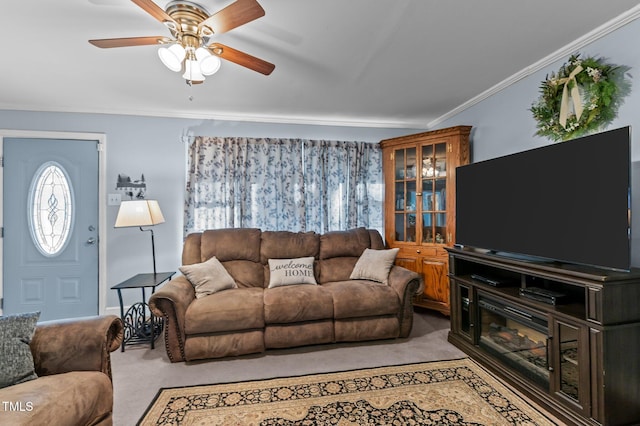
[[575, 96]]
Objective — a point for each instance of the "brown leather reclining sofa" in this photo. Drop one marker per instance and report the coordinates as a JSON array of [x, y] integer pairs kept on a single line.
[[73, 364], [254, 317]]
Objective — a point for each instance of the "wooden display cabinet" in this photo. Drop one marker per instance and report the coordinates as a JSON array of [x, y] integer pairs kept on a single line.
[[419, 175]]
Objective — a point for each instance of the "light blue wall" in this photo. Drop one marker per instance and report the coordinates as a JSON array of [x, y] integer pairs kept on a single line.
[[502, 124], [155, 147]]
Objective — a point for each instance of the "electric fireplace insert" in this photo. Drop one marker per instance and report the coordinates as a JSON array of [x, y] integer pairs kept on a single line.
[[516, 336]]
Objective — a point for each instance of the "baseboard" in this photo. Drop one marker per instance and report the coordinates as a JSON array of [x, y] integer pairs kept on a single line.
[[114, 310]]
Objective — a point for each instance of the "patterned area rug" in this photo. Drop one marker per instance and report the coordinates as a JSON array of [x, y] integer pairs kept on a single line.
[[457, 392]]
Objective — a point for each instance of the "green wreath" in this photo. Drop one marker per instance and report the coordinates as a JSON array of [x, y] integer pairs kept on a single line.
[[581, 98]]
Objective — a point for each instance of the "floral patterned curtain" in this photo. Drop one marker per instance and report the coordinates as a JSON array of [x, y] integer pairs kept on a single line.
[[343, 185], [283, 184]]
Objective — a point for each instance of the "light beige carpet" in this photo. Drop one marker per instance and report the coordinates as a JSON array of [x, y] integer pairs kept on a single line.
[[457, 392]]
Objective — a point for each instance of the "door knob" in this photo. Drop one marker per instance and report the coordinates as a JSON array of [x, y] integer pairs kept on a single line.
[[91, 241]]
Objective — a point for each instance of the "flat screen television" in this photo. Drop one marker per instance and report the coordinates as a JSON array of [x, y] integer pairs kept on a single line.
[[568, 202]]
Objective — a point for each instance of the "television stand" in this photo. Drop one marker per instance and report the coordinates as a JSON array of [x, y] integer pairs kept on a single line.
[[578, 358]]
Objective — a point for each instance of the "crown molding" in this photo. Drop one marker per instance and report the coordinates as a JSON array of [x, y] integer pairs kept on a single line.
[[346, 121], [599, 32]]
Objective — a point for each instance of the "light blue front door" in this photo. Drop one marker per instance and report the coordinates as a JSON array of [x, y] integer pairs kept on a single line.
[[50, 244]]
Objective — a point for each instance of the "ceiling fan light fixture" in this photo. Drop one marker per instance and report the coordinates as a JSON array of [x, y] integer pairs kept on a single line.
[[209, 64], [192, 71], [188, 49], [172, 56]]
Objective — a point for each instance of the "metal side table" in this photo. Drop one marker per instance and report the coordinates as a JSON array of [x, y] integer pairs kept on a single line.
[[140, 326]]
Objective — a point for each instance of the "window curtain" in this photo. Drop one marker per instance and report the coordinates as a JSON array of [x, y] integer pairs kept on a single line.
[[343, 185], [283, 184]]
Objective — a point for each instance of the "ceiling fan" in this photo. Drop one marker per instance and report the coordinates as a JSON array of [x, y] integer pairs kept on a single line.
[[191, 26]]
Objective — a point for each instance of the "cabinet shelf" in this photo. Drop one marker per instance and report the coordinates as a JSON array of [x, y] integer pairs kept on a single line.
[[574, 308]]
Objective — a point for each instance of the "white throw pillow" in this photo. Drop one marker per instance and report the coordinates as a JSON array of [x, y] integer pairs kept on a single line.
[[374, 265], [291, 271], [208, 277]]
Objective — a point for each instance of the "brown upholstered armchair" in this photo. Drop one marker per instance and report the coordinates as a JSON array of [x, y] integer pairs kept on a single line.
[[73, 363]]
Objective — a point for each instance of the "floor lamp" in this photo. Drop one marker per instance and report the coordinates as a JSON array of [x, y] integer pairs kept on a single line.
[[140, 213]]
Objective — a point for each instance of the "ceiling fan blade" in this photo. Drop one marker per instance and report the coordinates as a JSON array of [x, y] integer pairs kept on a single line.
[[154, 10], [241, 58], [106, 43], [234, 15]]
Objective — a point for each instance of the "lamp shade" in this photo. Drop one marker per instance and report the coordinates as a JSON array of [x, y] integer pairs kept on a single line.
[[209, 64], [139, 213], [192, 71], [172, 56]]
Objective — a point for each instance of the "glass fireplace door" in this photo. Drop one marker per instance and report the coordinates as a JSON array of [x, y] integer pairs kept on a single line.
[[516, 337]]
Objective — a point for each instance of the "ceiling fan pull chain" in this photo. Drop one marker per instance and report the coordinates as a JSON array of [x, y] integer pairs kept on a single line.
[[190, 84]]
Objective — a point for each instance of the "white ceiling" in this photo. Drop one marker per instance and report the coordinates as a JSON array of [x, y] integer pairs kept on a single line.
[[395, 63]]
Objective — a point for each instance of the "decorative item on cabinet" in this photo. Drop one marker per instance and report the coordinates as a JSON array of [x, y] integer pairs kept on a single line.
[[419, 174]]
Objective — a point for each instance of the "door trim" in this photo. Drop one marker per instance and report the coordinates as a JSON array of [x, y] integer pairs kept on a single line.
[[101, 139]]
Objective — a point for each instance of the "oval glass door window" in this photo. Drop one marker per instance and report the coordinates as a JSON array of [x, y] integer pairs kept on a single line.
[[52, 209]]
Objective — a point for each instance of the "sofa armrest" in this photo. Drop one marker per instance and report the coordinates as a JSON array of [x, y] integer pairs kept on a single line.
[[400, 278], [171, 302], [76, 344], [407, 284]]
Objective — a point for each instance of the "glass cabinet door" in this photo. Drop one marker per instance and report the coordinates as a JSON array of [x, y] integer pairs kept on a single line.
[[464, 306], [568, 368], [420, 176], [571, 380], [434, 193], [405, 173]]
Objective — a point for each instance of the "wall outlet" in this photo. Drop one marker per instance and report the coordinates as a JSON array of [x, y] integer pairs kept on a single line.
[[114, 199]]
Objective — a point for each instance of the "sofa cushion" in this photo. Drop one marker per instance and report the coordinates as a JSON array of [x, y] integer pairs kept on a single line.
[[191, 249], [229, 310], [349, 243], [247, 274], [366, 328], [296, 304], [284, 272], [374, 265], [298, 334], [16, 360], [208, 277], [287, 245], [360, 298], [336, 269], [238, 249], [339, 252], [376, 239], [203, 346], [231, 244], [75, 398]]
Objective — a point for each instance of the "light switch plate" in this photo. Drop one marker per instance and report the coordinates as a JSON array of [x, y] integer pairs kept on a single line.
[[114, 199]]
